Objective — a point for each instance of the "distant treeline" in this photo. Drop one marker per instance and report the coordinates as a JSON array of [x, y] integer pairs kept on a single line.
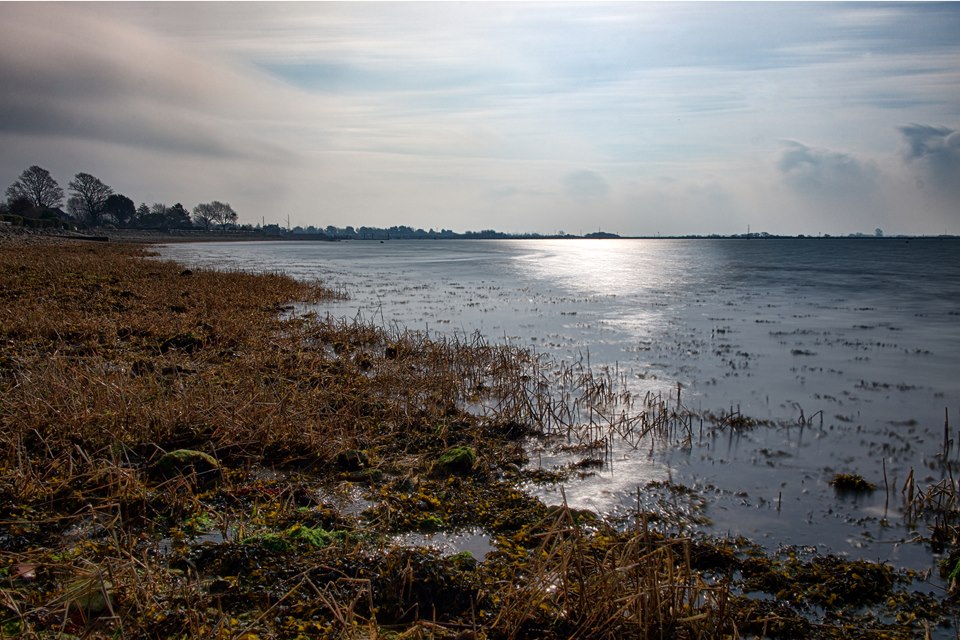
[[401, 232], [409, 233], [35, 199]]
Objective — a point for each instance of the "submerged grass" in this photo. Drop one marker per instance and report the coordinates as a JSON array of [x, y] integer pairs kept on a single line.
[[182, 457]]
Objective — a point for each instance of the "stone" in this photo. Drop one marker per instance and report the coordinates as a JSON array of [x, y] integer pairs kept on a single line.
[[455, 461], [189, 463], [352, 460]]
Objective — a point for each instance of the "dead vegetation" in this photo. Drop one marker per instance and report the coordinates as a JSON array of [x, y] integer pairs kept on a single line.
[[183, 457]]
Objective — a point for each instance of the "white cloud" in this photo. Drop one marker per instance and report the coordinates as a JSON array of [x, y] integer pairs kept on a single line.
[[936, 149], [821, 173], [514, 115], [130, 88], [932, 157]]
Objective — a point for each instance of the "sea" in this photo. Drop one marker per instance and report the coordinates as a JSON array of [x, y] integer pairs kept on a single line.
[[843, 352]]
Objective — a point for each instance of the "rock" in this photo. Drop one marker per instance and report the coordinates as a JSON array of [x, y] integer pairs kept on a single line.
[[352, 460], [455, 461], [188, 463]]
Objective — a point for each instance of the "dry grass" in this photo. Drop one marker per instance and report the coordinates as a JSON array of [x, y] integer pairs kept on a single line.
[[109, 359], [104, 354], [581, 584]]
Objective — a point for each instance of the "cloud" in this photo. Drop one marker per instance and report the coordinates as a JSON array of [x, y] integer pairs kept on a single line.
[[585, 185], [934, 153], [133, 88], [823, 173], [512, 114], [926, 141]]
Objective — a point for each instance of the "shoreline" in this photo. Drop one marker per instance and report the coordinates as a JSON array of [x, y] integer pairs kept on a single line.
[[325, 441], [22, 235]]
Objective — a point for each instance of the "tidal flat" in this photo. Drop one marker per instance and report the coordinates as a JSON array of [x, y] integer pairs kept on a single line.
[[186, 455]]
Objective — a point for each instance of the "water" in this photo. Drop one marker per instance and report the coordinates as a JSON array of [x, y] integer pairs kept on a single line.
[[860, 335]]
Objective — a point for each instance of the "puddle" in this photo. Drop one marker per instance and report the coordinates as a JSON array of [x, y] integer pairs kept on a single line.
[[346, 498], [474, 541]]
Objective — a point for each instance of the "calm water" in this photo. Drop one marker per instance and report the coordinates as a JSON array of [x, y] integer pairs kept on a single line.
[[865, 331]]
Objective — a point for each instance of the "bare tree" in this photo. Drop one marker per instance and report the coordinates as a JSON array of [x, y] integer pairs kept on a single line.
[[38, 186], [89, 198], [225, 213], [215, 212], [203, 215]]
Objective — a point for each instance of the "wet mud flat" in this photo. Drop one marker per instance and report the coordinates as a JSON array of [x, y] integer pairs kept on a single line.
[[186, 455]]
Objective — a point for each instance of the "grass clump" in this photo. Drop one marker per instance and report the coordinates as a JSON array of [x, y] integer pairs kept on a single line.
[[851, 483]]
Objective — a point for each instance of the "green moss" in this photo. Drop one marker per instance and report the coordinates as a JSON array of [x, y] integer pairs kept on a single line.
[[430, 522], [197, 524], [464, 561], [579, 516], [11, 629], [314, 536], [188, 462], [270, 541], [286, 541], [456, 461], [954, 573]]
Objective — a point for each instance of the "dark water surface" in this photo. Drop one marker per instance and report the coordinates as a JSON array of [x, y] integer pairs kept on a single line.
[[863, 335]]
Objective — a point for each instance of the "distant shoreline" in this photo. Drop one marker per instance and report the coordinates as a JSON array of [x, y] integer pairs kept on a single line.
[[219, 236], [147, 236]]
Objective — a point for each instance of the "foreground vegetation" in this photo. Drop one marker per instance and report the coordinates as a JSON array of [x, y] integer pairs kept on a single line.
[[185, 457]]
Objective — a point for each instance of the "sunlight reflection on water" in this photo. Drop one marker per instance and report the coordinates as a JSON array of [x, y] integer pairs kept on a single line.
[[610, 267]]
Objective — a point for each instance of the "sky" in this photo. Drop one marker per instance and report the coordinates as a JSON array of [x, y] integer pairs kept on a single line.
[[634, 118]]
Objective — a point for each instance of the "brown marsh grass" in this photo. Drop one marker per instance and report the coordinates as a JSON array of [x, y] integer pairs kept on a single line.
[[611, 585], [109, 359]]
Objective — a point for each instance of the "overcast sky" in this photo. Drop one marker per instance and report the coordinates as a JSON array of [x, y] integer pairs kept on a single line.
[[636, 118]]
